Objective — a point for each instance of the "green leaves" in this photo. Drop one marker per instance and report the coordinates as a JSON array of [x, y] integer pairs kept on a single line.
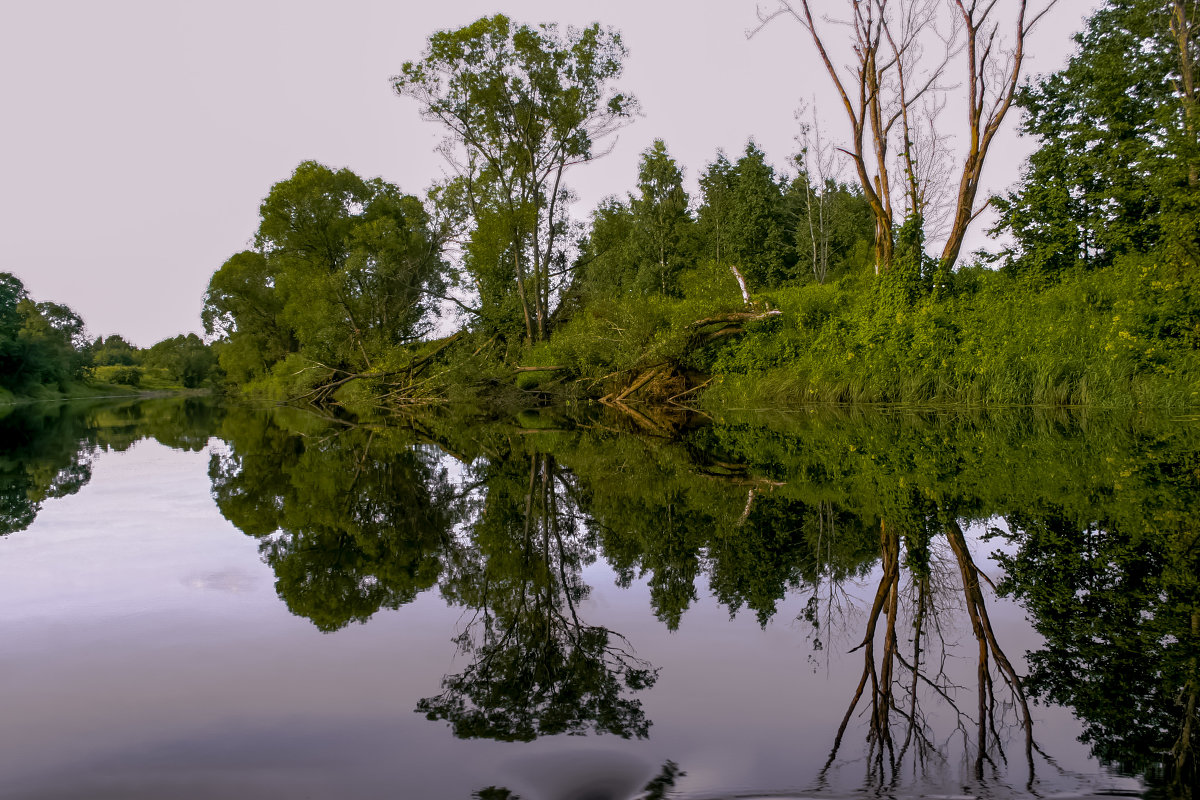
[[344, 271], [520, 105], [743, 219], [1111, 173]]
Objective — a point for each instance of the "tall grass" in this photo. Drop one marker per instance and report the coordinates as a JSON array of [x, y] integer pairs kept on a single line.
[[1124, 337]]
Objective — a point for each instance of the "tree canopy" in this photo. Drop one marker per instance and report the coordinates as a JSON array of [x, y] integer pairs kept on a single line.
[[343, 271], [521, 104]]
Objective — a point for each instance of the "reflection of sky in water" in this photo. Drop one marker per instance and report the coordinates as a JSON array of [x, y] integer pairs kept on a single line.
[[147, 655], [233, 581]]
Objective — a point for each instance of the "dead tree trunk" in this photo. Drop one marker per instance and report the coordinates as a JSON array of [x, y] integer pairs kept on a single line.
[[889, 73]]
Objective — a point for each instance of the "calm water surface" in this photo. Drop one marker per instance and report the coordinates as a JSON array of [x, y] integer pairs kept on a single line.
[[208, 601]]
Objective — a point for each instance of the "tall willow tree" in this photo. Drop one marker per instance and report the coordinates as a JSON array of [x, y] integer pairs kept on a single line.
[[521, 105], [344, 271]]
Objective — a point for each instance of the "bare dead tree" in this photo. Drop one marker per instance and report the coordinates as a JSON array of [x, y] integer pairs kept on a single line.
[[993, 74], [892, 70], [989, 650], [933, 171]]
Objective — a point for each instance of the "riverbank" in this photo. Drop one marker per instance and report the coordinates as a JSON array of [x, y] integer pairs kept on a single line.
[[91, 391]]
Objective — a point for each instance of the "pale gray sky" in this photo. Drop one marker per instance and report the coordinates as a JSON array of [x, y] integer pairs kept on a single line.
[[140, 136]]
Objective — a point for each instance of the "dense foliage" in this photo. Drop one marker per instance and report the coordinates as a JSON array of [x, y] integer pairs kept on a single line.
[[520, 104], [45, 352], [41, 343], [764, 288], [344, 272]]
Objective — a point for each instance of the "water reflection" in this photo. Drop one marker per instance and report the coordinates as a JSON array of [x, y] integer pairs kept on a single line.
[[1118, 602], [871, 522], [660, 787], [351, 520], [536, 668], [46, 449], [905, 662]]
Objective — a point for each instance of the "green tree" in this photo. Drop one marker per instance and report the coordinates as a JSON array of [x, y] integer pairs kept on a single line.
[[758, 232], [355, 262], [521, 104], [13, 369], [186, 359], [716, 207], [662, 223], [607, 265], [743, 220], [113, 351], [344, 271], [243, 310], [54, 343], [1112, 168], [830, 222]]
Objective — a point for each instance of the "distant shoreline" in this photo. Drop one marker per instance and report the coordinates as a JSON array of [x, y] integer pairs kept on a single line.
[[103, 392]]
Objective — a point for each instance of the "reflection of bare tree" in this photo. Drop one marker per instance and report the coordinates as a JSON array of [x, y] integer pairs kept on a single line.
[[536, 668], [981, 626], [896, 677], [828, 600]]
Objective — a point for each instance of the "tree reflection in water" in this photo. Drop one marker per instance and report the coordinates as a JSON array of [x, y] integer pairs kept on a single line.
[[1118, 602], [899, 681], [536, 668], [351, 519], [47, 449], [1101, 550], [355, 519]]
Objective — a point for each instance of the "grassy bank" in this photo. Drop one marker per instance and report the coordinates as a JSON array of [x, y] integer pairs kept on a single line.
[[96, 388], [1124, 337], [1121, 337]]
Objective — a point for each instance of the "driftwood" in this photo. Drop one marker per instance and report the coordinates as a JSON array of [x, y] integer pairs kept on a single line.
[[324, 392], [701, 333], [736, 317]]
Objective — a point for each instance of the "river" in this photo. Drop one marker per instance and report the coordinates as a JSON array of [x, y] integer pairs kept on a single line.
[[203, 600]]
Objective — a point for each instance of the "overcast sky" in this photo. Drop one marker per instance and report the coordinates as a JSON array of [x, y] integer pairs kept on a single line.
[[140, 137]]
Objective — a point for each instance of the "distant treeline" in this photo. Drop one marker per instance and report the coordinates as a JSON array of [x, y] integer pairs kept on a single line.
[[837, 278], [44, 347]]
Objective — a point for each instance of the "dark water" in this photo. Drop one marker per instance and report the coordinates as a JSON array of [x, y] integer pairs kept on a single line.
[[208, 601]]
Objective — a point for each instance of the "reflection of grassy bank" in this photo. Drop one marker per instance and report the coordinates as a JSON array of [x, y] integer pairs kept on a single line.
[[96, 390]]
